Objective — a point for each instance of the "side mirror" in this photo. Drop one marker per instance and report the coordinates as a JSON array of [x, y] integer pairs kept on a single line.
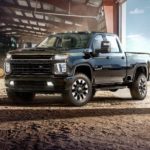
[[87, 52], [105, 47]]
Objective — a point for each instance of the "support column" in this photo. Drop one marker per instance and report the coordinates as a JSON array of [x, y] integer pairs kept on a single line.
[[111, 10], [122, 23]]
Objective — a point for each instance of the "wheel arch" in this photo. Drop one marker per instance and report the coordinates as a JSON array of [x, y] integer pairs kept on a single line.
[[85, 69], [140, 69]]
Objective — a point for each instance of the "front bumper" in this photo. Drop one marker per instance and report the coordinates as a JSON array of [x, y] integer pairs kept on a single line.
[[37, 84]]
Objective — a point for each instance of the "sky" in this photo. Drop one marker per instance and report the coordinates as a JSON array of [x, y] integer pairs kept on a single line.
[[138, 25]]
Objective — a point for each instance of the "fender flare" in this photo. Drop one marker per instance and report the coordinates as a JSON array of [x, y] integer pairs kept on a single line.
[[140, 66], [84, 65]]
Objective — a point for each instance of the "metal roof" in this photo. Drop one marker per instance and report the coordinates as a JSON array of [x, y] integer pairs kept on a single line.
[[42, 17]]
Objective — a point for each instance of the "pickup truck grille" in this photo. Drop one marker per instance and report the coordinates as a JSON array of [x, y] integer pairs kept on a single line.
[[31, 67], [32, 56]]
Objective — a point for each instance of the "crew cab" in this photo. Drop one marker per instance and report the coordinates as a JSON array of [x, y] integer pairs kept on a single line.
[[76, 65]]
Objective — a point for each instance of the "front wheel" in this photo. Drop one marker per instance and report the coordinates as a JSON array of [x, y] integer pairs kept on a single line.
[[79, 91], [138, 88]]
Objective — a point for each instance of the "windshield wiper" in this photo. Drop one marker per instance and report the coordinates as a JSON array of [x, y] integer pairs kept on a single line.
[[57, 48], [45, 47]]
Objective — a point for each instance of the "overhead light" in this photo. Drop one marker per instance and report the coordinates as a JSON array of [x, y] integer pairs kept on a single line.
[[66, 15]]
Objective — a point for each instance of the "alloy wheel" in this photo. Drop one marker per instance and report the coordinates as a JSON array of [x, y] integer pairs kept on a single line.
[[142, 86], [80, 89]]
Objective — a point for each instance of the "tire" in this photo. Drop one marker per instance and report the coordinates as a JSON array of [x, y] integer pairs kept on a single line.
[[19, 97], [79, 91], [138, 88]]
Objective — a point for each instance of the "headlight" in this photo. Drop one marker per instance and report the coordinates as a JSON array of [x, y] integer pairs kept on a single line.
[[60, 68], [60, 57], [7, 67], [8, 56]]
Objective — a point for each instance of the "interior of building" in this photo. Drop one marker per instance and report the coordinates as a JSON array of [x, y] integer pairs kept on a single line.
[[112, 119], [24, 23]]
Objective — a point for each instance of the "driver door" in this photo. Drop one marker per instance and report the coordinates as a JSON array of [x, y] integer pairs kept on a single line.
[[110, 68]]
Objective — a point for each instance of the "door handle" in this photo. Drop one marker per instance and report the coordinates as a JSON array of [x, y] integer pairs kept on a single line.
[[98, 67], [122, 57]]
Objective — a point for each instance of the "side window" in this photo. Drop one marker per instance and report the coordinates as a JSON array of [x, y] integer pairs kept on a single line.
[[114, 44], [97, 42]]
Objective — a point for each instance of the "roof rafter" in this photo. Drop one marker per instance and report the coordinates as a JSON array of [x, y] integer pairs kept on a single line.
[[23, 28], [41, 10], [18, 33], [75, 7], [56, 24], [21, 31], [11, 22]]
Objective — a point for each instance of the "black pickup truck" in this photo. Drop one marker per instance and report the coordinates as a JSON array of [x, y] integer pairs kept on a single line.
[[76, 65]]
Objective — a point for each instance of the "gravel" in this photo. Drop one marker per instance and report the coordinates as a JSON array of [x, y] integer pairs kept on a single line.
[[109, 121]]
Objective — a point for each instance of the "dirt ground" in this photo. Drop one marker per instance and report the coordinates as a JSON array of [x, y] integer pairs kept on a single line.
[[109, 121]]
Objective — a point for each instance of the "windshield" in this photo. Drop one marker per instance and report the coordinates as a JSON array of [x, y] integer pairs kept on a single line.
[[66, 41]]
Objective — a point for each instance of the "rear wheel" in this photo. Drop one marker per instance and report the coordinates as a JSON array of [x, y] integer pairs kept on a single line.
[[138, 88], [79, 91], [18, 97]]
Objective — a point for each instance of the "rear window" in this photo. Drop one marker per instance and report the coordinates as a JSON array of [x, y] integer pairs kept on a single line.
[[114, 44]]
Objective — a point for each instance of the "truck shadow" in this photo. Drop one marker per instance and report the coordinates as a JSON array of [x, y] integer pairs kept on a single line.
[[56, 110], [47, 114], [57, 101]]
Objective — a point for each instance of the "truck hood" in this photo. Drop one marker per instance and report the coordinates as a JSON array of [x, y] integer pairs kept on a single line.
[[38, 51]]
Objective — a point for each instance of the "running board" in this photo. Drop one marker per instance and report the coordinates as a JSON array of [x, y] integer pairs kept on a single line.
[[102, 87]]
